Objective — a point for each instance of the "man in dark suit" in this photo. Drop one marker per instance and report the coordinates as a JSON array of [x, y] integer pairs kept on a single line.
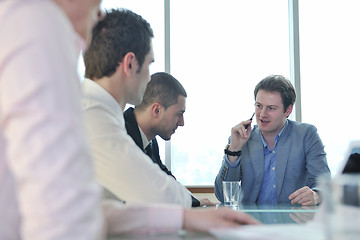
[[160, 113]]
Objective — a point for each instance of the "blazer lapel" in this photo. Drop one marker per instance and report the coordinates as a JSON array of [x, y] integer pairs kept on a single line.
[[132, 127], [282, 156], [256, 152]]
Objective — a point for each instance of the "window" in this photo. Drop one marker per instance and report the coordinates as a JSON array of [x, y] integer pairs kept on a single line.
[[219, 51], [330, 84]]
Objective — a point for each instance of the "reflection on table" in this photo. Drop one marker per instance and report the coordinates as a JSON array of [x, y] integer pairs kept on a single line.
[[280, 213], [182, 235], [267, 214]]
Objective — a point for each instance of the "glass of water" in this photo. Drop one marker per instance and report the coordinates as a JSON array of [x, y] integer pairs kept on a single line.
[[232, 193]]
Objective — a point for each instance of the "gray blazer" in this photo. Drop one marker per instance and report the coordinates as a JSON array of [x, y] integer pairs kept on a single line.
[[300, 159]]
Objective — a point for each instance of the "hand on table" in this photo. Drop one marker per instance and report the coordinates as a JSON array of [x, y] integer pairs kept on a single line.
[[302, 217], [204, 219], [206, 202], [305, 196]]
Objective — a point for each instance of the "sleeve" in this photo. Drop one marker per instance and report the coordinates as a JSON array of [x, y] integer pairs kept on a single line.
[[316, 163], [221, 176], [47, 152], [230, 164], [228, 171], [140, 219], [120, 165]]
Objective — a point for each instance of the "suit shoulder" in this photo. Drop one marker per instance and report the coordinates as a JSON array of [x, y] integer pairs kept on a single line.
[[301, 125], [302, 129]]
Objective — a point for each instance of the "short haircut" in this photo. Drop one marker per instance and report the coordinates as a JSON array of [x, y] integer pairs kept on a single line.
[[162, 88], [278, 83], [120, 32]]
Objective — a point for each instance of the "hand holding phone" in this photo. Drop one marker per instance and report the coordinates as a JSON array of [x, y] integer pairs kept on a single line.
[[247, 125]]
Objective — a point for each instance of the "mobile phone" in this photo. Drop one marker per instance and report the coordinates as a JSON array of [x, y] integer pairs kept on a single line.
[[247, 125]]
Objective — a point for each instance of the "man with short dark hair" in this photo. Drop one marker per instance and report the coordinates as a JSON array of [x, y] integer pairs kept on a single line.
[[159, 114], [120, 166], [118, 78], [279, 160]]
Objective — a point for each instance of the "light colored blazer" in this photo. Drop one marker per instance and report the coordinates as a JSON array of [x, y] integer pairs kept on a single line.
[[121, 167], [300, 159]]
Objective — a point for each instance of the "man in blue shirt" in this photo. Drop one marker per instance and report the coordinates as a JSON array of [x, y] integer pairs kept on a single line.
[[278, 160]]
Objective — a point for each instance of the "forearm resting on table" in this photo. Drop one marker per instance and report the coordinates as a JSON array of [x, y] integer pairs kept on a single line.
[[120, 218]]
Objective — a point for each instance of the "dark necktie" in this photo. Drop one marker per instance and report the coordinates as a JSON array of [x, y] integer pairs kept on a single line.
[[148, 150]]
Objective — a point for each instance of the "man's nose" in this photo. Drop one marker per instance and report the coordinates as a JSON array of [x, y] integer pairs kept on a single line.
[[181, 121], [263, 112]]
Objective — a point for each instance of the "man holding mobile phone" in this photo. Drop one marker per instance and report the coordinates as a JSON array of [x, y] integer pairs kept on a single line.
[[278, 160]]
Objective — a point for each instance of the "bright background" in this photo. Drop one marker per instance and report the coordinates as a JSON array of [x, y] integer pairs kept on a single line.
[[220, 49]]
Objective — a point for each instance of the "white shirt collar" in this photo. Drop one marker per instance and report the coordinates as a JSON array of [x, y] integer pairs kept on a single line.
[[145, 141]]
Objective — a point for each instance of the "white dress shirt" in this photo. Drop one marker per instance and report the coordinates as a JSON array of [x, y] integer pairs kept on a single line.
[[47, 189], [120, 165]]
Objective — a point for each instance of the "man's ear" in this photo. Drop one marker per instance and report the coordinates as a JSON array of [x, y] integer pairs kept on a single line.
[[129, 64], [289, 110], [155, 110]]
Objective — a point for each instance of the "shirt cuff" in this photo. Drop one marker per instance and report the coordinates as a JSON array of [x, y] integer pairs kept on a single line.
[[232, 165]]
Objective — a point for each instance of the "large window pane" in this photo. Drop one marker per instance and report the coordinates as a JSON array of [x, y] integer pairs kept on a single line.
[[219, 51], [330, 82]]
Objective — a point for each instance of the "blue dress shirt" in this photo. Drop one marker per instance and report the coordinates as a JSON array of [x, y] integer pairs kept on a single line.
[[268, 189], [268, 193]]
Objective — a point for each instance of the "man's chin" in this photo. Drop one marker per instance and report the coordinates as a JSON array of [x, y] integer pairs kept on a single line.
[[135, 102], [166, 138]]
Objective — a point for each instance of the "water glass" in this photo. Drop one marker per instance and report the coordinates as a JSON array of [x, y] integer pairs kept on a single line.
[[231, 192]]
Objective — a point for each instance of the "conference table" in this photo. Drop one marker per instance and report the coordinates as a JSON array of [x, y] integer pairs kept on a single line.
[[267, 214], [280, 213]]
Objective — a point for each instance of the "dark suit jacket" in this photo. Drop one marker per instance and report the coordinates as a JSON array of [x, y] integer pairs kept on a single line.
[[132, 129]]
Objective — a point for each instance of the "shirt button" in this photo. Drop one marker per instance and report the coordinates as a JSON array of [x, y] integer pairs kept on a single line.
[[273, 168], [273, 152], [274, 186]]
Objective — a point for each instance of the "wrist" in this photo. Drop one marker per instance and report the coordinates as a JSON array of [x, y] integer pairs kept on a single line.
[[187, 221], [231, 152], [317, 198]]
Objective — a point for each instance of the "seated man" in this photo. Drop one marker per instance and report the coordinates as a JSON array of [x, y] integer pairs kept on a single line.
[[278, 160], [160, 113], [119, 71]]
